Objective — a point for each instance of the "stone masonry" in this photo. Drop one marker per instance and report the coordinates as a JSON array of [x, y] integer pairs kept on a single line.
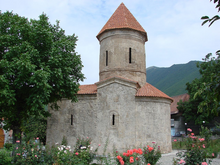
[[121, 108]]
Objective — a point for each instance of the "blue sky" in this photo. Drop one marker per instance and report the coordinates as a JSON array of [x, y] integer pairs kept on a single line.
[[174, 27]]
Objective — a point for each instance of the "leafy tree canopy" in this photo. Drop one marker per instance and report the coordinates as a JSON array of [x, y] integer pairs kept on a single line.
[[204, 102], [38, 66], [194, 109]]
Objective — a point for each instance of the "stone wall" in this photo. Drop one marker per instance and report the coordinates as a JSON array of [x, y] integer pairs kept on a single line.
[[117, 43], [137, 121]]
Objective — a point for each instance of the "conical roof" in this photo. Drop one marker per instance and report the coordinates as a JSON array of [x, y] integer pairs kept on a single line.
[[122, 19], [149, 90]]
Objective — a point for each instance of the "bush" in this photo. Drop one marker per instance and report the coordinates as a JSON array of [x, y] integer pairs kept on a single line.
[[33, 152], [152, 154], [84, 151], [5, 157], [196, 152], [8, 146]]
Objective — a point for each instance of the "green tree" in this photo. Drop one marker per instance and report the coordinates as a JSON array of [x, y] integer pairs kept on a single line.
[[204, 102], [190, 108], [38, 66]]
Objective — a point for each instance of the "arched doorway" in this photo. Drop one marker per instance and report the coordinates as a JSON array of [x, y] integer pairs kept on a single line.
[[2, 138]]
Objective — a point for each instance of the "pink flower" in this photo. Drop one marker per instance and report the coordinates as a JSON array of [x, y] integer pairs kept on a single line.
[[37, 138], [122, 162], [181, 161], [76, 153], [213, 154], [131, 159], [148, 164], [204, 163], [99, 144], [174, 140], [130, 152], [16, 148], [87, 137], [201, 139], [192, 134], [35, 156], [153, 142], [203, 145], [119, 157], [150, 149], [135, 150], [116, 151], [18, 141], [18, 154], [140, 151], [189, 130]]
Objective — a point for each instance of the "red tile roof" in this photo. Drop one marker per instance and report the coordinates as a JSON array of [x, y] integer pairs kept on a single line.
[[87, 89], [147, 90], [122, 18], [150, 91], [176, 99]]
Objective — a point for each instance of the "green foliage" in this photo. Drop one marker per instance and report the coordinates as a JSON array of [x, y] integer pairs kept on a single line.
[[5, 157], [32, 152], [206, 133], [195, 152], [84, 151], [210, 89], [8, 146], [38, 66], [214, 18], [35, 127], [152, 154], [170, 81], [203, 104]]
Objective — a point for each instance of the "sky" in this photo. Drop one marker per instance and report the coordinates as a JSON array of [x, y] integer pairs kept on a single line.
[[175, 34]]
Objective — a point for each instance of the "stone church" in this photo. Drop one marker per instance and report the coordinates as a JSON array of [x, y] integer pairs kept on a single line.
[[121, 108]]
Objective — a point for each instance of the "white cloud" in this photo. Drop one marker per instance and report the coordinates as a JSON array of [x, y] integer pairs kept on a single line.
[[174, 27]]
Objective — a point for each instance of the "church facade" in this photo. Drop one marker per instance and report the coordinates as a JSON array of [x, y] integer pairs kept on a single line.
[[121, 108]]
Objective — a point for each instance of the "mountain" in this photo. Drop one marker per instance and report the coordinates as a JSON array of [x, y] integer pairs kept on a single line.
[[172, 80]]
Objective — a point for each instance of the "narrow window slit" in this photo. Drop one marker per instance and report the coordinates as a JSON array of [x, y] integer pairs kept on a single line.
[[106, 58], [113, 119], [129, 55], [71, 119]]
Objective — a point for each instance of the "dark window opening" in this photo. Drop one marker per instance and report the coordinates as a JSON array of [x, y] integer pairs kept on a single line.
[[113, 119], [71, 119], [129, 55], [106, 58]]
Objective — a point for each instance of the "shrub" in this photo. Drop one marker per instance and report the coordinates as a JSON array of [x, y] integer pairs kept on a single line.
[[133, 156], [5, 157], [195, 151], [8, 146], [152, 154], [33, 152], [84, 151]]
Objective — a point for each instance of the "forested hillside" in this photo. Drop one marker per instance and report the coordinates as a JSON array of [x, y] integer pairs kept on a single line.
[[172, 80]]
